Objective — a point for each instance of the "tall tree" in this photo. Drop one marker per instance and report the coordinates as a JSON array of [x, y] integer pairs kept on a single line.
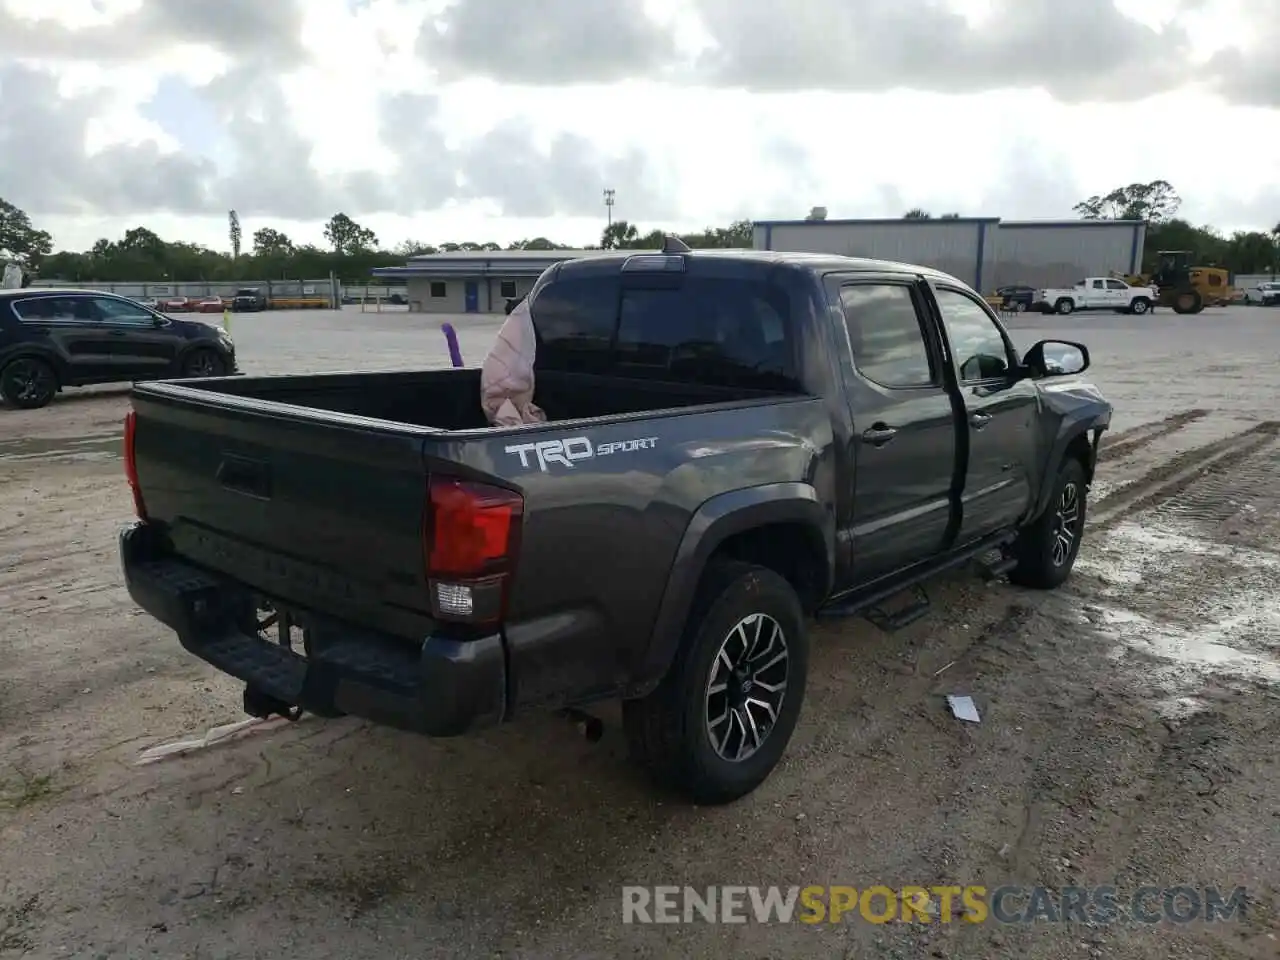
[[269, 242], [348, 237], [619, 235], [1155, 202], [233, 225], [915, 213], [20, 240]]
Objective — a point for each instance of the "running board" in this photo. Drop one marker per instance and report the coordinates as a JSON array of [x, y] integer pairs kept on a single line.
[[868, 600]]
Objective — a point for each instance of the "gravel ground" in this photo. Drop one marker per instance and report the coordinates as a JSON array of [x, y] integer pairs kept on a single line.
[[1128, 735]]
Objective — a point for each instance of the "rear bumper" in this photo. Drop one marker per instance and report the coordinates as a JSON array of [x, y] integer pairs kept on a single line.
[[442, 688]]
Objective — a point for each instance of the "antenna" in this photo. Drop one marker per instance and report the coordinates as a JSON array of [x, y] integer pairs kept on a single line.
[[673, 244]]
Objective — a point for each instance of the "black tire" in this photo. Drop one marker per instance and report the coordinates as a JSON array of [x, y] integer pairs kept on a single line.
[[670, 731], [1140, 306], [1064, 306], [1188, 302], [1042, 563], [203, 362], [1019, 307], [28, 383]]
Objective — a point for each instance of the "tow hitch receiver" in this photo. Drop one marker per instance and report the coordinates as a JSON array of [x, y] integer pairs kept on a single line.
[[262, 705]]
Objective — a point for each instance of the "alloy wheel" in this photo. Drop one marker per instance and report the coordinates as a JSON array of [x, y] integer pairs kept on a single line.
[[1066, 522], [747, 686]]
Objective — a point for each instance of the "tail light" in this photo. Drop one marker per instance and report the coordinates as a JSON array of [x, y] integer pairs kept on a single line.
[[131, 464], [470, 534]]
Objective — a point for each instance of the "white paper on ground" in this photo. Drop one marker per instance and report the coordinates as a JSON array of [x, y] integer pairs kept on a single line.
[[963, 708]]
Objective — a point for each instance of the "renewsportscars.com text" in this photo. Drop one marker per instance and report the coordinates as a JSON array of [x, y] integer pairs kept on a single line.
[[933, 904]]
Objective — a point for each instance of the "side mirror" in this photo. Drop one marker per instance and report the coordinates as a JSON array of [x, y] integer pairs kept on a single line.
[[1056, 358], [158, 321]]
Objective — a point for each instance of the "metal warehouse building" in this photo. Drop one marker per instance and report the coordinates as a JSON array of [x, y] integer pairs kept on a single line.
[[473, 281], [1052, 253], [985, 252], [964, 248]]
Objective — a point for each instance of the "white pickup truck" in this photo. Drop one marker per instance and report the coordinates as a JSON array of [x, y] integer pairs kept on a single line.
[[1096, 293]]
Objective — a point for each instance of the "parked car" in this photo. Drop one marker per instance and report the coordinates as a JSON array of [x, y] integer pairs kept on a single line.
[[249, 299], [736, 440], [151, 303], [175, 304], [1016, 298], [1266, 294], [52, 339], [210, 305], [1097, 293]]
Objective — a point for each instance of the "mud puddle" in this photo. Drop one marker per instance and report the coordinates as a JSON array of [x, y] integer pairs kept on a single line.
[[102, 447]]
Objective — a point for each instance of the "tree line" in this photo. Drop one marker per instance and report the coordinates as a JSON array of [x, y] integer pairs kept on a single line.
[[353, 251]]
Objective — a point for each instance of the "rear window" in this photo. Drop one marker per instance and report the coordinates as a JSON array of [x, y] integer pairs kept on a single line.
[[729, 333]]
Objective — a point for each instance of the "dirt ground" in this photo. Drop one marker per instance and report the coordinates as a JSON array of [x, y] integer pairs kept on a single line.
[[1130, 725]]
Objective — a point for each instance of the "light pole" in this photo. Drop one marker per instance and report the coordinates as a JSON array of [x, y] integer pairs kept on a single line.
[[608, 205]]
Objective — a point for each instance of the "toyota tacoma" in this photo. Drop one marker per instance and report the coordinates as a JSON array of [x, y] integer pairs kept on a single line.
[[736, 442]]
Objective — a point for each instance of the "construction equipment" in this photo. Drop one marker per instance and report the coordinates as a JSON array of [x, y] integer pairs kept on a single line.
[[1182, 287]]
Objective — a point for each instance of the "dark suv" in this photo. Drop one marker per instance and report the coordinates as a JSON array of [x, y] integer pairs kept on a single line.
[[50, 339]]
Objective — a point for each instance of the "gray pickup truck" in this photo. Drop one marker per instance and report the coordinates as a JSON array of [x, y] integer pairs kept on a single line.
[[736, 441]]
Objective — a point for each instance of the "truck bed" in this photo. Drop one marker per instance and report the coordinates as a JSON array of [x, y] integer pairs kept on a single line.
[[310, 489], [450, 399]]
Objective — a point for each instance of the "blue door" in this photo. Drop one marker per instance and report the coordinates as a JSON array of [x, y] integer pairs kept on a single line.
[[473, 297]]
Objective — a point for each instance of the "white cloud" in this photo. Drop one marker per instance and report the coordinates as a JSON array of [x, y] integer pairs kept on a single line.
[[316, 129]]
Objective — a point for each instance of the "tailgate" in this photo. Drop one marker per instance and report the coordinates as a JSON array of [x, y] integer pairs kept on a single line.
[[319, 510]]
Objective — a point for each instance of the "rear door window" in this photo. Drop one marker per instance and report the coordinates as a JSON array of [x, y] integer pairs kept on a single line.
[[885, 335], [54, 309]]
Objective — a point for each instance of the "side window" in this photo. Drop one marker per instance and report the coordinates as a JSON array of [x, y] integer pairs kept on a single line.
[[885, 335], [718, 332], [574, 319], [33, 311], [1099, 284], [122, 312], [56, 309], [1116, 285], [1215, 280], [979, 347]]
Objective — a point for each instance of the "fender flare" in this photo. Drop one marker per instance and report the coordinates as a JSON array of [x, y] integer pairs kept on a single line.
[[712, 523], [1070, 431]]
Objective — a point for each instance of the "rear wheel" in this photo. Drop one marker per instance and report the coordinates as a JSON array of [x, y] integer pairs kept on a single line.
[[1140, 306], [28, 383], [1019, 307], [722, 717], [1064, 306], [1046, 548], [203, 363]]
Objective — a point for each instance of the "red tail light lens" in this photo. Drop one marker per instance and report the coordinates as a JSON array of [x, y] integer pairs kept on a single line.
[[131, 463], [470, 536]]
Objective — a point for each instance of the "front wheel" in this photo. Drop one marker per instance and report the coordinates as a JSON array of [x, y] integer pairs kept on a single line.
[[1140, 306], [1019, 307], [28, 383], [1046, 548], [1064, 306], [722, 717], [203, 363]]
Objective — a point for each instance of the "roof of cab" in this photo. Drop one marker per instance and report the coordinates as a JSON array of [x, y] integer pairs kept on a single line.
[[813, 262]]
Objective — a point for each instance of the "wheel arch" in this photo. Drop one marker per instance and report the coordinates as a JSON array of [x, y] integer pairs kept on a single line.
[[28, 351], [781, 526]]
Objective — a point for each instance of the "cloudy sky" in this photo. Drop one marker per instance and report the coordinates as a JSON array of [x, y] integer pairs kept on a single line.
[[436, 120]]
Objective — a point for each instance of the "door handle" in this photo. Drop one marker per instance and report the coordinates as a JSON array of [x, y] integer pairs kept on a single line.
[[879, 434], [980, 420]]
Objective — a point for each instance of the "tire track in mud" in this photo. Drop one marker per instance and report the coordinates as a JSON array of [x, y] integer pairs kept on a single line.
[[1135, 438], [1167, 480]]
